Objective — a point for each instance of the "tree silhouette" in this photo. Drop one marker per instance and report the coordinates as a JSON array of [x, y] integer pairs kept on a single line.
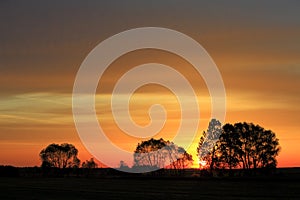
[[185, 161], [242, 145], [60, 156], [258, 147], [123, 165], [207, 145], [228, 148], [160, 153], [147, 154], [90, 164]]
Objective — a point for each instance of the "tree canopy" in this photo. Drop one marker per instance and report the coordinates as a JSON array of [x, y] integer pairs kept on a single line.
[[242, 145], [206, 147], [90, 164], [160, 153], [60, 156]]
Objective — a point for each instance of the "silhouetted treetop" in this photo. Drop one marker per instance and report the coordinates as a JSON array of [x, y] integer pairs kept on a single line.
[[242, 145], [90, 164], [208, 140], [160, 153], [60, 156]]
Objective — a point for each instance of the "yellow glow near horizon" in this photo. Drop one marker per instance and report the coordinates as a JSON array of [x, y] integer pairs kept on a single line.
[[258, 58], [39, 129]]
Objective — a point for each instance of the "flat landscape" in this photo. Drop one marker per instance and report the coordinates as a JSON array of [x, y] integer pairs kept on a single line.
[[150, 188], [157, 99]]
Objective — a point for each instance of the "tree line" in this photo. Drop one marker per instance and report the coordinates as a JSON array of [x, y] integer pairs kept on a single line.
[[232, 146]]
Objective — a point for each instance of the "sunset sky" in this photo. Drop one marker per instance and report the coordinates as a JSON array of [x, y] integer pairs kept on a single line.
[[255, 44]]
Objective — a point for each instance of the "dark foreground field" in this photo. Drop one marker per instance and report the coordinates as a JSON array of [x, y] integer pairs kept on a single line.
[[149, 188]]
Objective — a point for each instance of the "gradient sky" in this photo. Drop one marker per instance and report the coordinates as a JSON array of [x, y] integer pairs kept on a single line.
[[255, 44]]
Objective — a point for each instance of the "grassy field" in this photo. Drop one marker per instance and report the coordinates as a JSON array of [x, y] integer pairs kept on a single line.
[[149, 188]]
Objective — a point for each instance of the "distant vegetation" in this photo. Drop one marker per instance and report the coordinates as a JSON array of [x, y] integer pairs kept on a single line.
[[90, 164], [242, 146]]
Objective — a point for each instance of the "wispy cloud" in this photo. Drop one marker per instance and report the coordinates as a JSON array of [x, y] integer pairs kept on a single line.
[[56, 108]]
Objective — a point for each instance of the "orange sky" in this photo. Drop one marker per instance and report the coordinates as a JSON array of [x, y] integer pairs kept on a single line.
[[256, 49]]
